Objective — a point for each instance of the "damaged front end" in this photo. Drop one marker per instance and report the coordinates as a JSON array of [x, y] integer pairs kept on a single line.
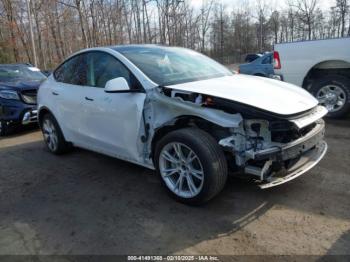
[[276, 151], [273, 149]]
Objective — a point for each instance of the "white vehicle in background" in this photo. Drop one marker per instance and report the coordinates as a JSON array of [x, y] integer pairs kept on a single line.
[[322, 67]]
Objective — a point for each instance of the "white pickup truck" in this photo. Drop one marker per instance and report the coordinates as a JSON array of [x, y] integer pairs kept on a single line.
[[322, 67]]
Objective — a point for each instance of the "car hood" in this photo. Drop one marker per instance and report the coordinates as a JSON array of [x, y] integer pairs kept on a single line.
[[20, 85], [267, 94]]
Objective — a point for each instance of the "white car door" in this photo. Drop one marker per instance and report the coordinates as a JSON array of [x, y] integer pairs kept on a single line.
[[111, 121], [68, 91]]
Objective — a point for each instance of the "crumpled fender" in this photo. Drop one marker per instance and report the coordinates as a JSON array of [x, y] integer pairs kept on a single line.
[[165, 108]]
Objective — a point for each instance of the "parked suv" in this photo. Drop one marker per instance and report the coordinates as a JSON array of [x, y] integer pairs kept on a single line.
[[181, 113], [18, 91]]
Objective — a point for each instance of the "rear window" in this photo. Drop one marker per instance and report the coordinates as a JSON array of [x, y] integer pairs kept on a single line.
[[251, 57], [267, 60]]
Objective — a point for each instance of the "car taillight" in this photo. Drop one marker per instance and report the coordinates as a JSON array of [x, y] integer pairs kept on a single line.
[[276, 60]]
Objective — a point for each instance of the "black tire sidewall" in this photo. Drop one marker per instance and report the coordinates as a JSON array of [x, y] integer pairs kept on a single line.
[[340, 81], [205, 157]]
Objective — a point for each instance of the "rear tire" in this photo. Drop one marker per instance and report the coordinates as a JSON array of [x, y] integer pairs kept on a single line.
[[53, 135], [331, 91], [202, 167]]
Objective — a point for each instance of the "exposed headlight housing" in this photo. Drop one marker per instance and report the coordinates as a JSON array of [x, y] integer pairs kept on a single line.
[[9, 94]]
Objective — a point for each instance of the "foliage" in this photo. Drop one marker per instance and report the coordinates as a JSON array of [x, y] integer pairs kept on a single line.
[[62, 27]]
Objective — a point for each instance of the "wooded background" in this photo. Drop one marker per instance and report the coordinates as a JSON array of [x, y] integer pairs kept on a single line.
[[226, 33]]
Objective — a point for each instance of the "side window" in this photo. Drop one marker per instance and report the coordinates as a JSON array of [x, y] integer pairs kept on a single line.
[[267, 60], [103, 67], [73, 71]]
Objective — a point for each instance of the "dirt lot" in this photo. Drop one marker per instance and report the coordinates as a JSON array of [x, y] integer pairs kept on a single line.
[[86, 203]]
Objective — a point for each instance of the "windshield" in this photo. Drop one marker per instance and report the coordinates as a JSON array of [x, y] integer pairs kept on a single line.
[[12, 73], [172, 65]]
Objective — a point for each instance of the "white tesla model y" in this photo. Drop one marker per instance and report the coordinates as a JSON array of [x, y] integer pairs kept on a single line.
[[184, 115]]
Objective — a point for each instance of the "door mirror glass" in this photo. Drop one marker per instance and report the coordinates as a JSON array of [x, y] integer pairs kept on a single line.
[[116, 85]]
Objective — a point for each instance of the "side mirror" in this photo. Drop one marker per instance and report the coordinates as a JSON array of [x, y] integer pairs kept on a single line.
[[117, 85]]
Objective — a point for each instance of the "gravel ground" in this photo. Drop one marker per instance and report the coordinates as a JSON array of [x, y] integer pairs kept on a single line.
[[86, 203]]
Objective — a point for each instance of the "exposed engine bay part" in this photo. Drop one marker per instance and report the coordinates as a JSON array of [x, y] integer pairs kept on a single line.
[[198, 99], [250, 137], [165, 108]]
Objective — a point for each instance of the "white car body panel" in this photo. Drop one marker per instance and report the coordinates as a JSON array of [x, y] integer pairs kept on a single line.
[[298, 58], [112, 121], [69, 107], [267, 94]]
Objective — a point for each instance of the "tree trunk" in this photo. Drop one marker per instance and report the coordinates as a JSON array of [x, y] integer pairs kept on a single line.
[[59, 33], [11, 20], [81, 21], [42, 60]]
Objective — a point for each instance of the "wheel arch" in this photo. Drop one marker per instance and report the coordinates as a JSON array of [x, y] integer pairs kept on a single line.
[[334, 66], [184, 121], [43, 111]]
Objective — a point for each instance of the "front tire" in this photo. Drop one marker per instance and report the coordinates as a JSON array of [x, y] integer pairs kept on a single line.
[[333, 92], [53, 135], [191, 165]]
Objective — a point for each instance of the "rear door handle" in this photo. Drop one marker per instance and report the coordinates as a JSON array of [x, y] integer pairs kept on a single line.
[[88, 99], [55, 94]]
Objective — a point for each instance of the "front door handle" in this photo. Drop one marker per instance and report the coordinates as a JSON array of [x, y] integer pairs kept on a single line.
[[88, 99], [55, 94]]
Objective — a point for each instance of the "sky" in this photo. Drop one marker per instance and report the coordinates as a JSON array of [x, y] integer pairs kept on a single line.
[[324, 4]]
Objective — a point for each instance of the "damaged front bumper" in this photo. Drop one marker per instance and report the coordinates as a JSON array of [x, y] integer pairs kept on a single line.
[[281, 163], [304, 164]]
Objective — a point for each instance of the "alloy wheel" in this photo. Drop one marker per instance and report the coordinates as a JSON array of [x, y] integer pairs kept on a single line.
[[181, 170], [50, 135], [332, 97]]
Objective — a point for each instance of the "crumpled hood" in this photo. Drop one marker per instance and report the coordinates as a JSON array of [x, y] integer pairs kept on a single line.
[[20, 85], [267, 94]]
